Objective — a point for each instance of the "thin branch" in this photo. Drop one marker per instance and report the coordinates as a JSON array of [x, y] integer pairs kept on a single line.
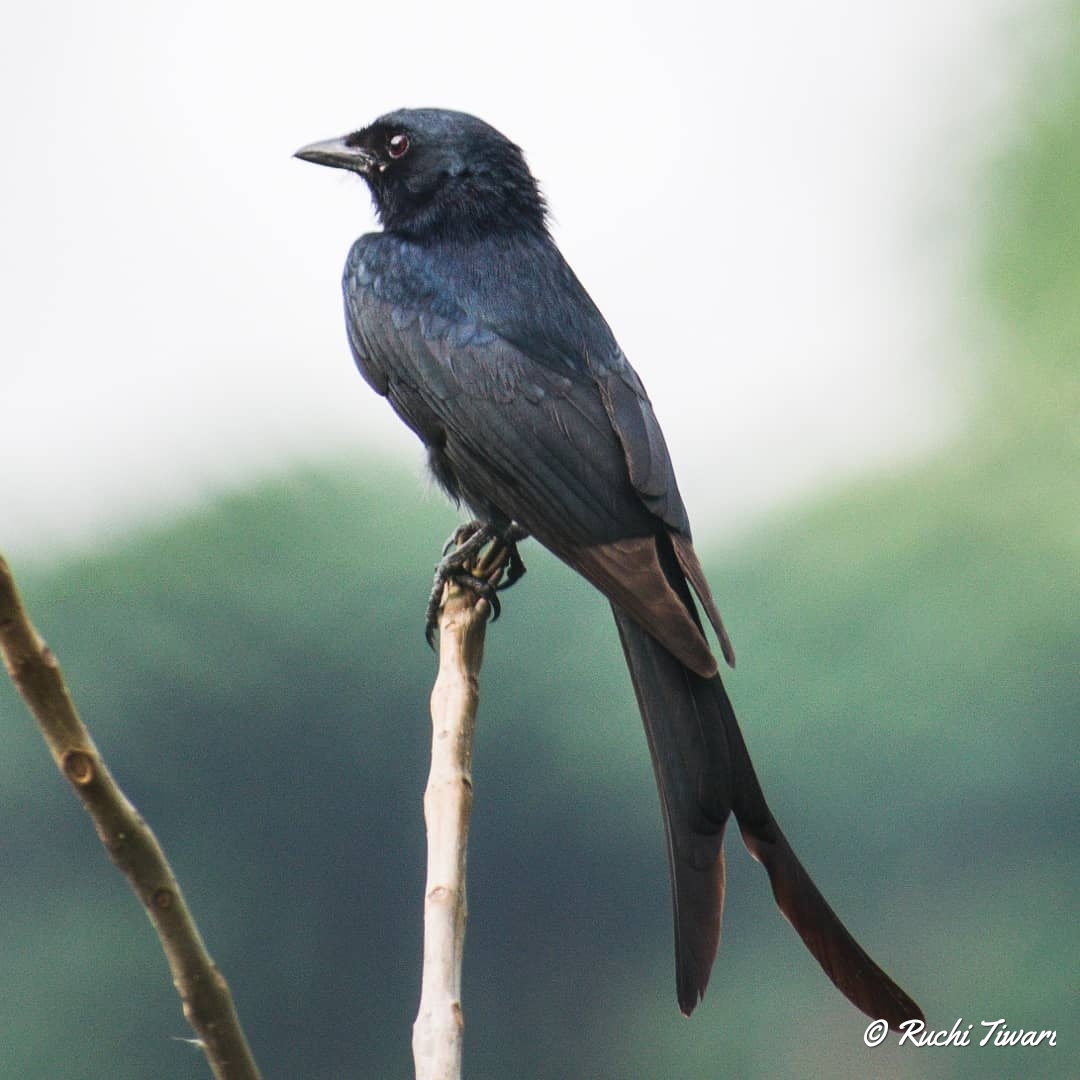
[[131, 845], [438, 1032]]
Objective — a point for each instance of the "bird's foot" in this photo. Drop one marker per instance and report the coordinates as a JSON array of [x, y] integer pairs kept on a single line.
[[465, 563], [464, 533]]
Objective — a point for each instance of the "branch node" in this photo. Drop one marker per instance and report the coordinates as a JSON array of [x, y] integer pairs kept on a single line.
[[164, 899], [79, 768]]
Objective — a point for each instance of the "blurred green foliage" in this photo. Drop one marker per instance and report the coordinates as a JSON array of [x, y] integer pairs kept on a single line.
[[908, 684]]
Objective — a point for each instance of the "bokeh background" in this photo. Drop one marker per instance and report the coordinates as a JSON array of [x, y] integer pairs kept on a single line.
[[855, 228]]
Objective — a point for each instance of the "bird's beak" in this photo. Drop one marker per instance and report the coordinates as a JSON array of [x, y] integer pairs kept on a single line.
[[339, 155]]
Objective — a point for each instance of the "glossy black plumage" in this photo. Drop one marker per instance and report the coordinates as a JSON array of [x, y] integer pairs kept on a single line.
[[463, 313]]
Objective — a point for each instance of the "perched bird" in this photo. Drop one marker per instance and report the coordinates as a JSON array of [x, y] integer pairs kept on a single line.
[[464, 314]]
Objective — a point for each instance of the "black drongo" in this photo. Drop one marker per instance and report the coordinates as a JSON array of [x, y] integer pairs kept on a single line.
[[463, 313]]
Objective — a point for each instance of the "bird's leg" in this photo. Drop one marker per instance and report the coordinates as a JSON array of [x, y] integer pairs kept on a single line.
[[480, 574]]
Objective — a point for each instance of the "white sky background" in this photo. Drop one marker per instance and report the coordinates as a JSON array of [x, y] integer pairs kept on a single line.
[[759, 198]]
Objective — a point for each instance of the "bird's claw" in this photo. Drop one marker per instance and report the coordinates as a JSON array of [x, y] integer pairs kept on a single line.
[[463, 580], [515, 569], [462, 565]]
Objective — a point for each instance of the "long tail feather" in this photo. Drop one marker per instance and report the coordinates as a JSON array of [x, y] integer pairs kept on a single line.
[[704, 773]]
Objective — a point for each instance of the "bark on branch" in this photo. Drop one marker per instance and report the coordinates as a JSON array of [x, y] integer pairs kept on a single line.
[[129, 841]]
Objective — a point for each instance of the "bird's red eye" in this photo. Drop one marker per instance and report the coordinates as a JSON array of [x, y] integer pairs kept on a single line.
[[397, 145]]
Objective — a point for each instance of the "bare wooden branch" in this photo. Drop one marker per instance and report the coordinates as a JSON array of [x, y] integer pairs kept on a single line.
[[438, 1032], [131, 845], [439, 1027]]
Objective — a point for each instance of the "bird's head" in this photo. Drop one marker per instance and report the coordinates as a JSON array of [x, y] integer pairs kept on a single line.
[[434, 172]]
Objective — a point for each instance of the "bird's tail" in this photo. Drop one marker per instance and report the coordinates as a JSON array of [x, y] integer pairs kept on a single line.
[[704, 774]]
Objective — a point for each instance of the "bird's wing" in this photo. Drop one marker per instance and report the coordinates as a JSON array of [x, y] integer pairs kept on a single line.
[[547, 447], [653, 476]]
